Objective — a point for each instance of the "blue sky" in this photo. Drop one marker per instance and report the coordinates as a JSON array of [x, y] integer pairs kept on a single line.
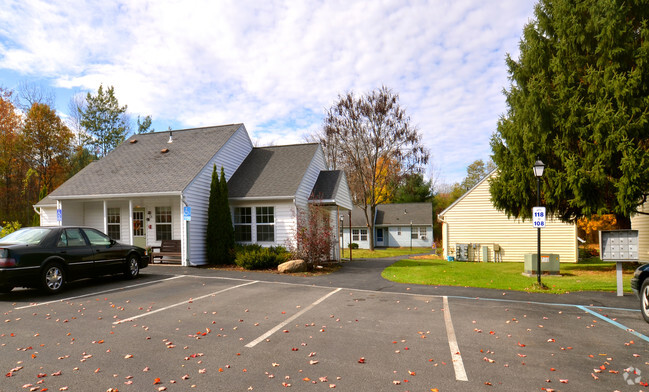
[[276, 65]]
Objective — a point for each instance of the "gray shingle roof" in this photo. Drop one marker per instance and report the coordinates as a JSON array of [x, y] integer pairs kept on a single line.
[[272, 171], [326, 186], [402, 214], [141, 167], [395, 215]]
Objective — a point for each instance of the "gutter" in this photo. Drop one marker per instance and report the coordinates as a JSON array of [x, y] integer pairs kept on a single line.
[[117, 195]]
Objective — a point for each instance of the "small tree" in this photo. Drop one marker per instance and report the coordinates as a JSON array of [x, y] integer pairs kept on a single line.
[[225, 222], [314, 235], [212, 235]]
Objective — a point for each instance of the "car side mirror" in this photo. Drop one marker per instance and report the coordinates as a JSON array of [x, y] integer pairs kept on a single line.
[[112, 242]]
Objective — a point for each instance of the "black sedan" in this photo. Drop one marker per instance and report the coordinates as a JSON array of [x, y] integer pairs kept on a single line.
[[640, 286], [49, 257]]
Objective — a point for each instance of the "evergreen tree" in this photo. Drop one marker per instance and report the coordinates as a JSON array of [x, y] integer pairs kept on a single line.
[[578, 101], [212, 235], [226, 229], [105, 121]]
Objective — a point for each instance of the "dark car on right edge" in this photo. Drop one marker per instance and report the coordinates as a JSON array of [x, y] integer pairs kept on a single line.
[[640, 286]]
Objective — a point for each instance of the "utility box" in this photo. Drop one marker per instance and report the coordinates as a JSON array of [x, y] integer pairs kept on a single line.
[[485, 254], [462, 252], [549, 263], [618, 245]]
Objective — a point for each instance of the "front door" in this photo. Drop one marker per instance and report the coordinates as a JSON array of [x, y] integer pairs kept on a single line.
[[139, 234], [379, 237]]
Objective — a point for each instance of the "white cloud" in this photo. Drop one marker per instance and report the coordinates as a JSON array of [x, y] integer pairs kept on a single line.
[[276, 65]]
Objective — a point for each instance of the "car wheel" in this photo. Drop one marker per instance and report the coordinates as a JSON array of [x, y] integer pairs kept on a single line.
[[6, 289], [132, 267], [53, 278], [644, 299]]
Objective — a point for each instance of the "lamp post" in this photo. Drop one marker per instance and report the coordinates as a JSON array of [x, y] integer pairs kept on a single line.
[[342, 240], [538, 172]]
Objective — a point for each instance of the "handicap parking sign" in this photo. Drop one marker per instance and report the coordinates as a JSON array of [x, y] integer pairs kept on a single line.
[[59, 215], [187, 213]]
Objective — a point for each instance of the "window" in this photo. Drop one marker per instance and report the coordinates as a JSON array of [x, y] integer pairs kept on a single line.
[[162, 223], [96, 238], [243, 224], [138, 223], [71, 237], [363, 234], [355, 234], [399, 231], [265, 218], [114, 227], [418, 233]]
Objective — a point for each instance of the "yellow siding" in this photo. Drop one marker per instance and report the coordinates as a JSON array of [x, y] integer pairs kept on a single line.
[[475, 220], [640, 222]]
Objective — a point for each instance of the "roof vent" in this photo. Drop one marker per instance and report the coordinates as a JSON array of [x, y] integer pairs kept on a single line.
[[164, 150], [133, 141], [171, 138]]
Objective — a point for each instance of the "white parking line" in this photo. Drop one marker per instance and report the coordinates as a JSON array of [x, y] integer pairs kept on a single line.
[[182, 303], [458, 365], [288, 320], [97, 293]]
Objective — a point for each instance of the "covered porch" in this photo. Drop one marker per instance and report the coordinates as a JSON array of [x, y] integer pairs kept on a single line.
[[144, 221]]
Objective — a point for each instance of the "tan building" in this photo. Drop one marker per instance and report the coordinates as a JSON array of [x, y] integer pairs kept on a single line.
[[491, 236], [640, 222]]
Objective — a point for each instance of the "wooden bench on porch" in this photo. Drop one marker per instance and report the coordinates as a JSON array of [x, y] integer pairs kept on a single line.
[[168, 248]]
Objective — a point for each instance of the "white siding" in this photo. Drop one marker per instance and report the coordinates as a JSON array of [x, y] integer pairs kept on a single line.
[[361, 244], [473, 219], [403, 240], [197, 194], [285, 221], [72, 212], [343, 195], [310, 177], [48, 216], [640, 222], [94, 214]]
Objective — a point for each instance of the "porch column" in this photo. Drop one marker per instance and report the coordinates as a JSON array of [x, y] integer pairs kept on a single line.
[[184, 235], [105, 218], [130, 220]]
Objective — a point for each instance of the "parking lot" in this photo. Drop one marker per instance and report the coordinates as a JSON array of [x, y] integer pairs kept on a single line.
[[211, 331]]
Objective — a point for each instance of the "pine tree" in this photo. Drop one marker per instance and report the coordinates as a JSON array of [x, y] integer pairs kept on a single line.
[[578, 101], [212, 235]]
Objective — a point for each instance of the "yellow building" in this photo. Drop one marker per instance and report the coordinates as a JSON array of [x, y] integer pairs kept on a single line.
[[640, 222], [473, 220]]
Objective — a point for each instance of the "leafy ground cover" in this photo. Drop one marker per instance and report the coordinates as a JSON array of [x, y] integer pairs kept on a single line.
[[589, 275]]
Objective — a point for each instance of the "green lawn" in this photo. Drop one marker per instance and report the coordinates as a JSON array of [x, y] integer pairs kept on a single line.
[[384, 252], [585, 276]]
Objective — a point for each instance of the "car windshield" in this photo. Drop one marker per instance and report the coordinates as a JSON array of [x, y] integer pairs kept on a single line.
[[28, 236]]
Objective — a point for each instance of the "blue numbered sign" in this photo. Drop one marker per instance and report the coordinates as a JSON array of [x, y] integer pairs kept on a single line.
[[538, 217]]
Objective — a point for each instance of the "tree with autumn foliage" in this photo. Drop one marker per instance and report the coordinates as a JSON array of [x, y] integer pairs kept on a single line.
[[591, 226], [579, 102], [11, 169], [47, 143], [371, 133]]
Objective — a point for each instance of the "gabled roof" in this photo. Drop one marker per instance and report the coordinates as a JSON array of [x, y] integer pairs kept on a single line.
[[138, 165], [404, 213], [398, 214], [326, 186], [272, 172], [493, 172]]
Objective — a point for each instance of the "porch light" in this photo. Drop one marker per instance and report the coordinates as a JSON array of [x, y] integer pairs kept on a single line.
[[171, 139]]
